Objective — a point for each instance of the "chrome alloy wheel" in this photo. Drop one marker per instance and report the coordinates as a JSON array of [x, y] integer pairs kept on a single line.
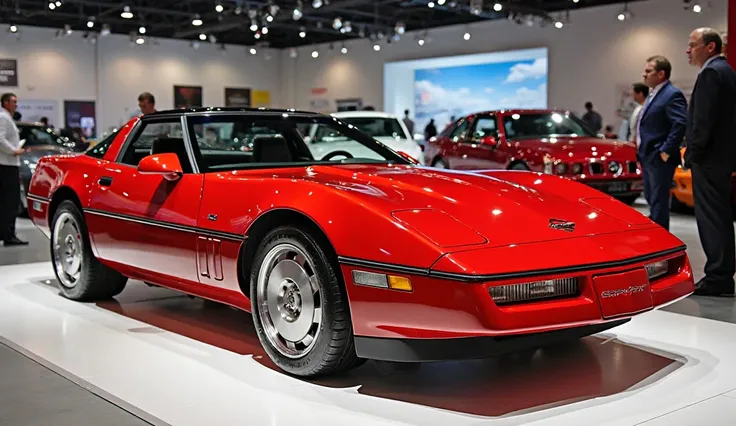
[[68, 249], [289, 298]]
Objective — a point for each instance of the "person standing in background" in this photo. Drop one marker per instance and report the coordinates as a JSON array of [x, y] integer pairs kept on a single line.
[[639, 93], [10, 149], [592, 118], [660, 130], [147, 103], [711, 155], [408, 122]]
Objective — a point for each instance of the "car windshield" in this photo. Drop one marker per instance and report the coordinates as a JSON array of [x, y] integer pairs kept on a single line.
[[38, 136], [376, 127], [542, 125], [239, 141]]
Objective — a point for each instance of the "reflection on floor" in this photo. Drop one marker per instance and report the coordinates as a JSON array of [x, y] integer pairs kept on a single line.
[[186, 361]]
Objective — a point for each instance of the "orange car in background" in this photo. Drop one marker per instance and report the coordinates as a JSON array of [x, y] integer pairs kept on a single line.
[[682, 188]]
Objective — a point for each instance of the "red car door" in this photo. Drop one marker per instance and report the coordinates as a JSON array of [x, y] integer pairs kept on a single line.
[[479, 148], [144, 222]]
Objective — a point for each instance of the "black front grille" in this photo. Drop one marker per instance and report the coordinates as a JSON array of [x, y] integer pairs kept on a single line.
[[631, 166], [596, 168]]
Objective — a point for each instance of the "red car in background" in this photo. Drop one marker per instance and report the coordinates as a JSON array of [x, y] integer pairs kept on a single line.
[[548, 141]]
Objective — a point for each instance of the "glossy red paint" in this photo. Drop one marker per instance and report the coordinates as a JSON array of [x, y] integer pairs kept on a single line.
[[453, 233], [584, 158]]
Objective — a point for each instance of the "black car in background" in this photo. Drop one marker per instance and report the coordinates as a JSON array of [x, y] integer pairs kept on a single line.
[[40, 141]]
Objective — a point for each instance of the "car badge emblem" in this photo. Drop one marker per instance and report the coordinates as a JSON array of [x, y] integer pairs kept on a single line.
[[562, 225]]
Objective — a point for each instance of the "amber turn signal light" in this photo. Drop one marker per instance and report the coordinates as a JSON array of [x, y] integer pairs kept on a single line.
[[373, 279]]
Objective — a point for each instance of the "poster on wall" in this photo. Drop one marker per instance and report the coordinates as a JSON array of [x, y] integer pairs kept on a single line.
[[261, 98], [507, 80], [81, 115], [32, 110], [9, 72], [187, 96], [237, 97], [353, 104]]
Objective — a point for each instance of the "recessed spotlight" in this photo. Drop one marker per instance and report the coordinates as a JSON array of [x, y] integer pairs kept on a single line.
[[376, 47], [344, 50], [697, 8], [142, 30], [558, 24], [196, 21], [253, 51], [497, 7], [126, 13], [466, 36], [203, 37], [430, 4], [315, 54]]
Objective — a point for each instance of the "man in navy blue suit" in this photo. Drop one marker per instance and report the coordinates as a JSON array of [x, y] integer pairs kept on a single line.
[[661, 130], [711, 154]]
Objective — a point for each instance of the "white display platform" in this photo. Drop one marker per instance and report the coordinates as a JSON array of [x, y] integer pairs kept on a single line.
[[175, 360]]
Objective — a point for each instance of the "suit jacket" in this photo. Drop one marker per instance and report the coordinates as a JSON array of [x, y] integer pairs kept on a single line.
[[711, 124], [663, 125]]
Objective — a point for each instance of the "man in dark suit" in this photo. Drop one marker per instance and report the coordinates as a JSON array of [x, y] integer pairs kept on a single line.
[[661, 129], [711, 154]]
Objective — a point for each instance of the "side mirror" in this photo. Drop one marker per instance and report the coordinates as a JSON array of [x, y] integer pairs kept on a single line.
[[489, 140], [418, 137], [167, 165]]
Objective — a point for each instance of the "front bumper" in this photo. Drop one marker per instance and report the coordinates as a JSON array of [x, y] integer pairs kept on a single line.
[[617, 187], [444, 319]]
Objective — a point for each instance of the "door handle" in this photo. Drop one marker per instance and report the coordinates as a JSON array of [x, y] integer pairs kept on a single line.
[[105, 181]]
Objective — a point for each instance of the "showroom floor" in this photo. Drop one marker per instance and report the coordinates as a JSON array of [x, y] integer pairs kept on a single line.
[[153, 356]]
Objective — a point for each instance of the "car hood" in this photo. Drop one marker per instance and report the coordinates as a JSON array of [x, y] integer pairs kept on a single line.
[[502, 211], [580, 148]]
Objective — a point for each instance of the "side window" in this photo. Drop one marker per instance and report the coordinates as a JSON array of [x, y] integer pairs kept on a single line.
[[100, 149], [485, 126], [460, 131], [157, 137]]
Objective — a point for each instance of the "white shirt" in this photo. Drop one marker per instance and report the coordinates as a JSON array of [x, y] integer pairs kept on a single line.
[[650, 99], [9, 140], [633, 123]]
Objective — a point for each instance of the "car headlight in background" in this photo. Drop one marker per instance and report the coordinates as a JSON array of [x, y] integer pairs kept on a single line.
[[561, 168], [577, 168]]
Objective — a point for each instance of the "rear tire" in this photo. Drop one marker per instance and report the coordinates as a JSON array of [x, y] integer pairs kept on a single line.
[[80, 275], [440, 164], [299, 307]]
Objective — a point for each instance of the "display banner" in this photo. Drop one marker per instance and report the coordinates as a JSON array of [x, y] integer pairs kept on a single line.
[[260, 98], [9, 72], [33, 109], [81, 115], [237, 97], [187, 96]]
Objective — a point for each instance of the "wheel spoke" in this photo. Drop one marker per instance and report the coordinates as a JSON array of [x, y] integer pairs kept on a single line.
[[288, 300]]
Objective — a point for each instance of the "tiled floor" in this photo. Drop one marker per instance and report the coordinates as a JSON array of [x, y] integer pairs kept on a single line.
[[169, 359]]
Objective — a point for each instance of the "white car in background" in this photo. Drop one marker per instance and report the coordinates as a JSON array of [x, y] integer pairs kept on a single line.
[[385, 128]]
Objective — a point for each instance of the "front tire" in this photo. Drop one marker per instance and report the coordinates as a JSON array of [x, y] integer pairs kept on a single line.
[[299, 308], [80, 275]]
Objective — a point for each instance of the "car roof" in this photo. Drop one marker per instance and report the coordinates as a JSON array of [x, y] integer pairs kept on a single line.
[[356, 114], [199, 110], [523, 111]]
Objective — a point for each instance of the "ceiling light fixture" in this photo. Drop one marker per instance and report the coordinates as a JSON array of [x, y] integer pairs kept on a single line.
[[497, 7], [317, 4], [253, 51], [90, 22], [142, 30], [203, 37], [697, 8], [376, 47], [466, 36], [315, 54], [430, 4], [559, 24], [126, 13], [196, 21]]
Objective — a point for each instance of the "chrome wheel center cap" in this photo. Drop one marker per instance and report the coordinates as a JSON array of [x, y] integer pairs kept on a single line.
[[289, 301]]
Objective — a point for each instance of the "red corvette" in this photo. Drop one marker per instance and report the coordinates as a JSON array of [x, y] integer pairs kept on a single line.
[[359, 254], [548, 141]]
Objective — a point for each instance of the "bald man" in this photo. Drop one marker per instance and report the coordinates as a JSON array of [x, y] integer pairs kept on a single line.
[[711, 154]]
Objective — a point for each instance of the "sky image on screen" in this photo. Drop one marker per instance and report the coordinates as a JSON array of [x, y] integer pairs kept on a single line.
[[445, 92]]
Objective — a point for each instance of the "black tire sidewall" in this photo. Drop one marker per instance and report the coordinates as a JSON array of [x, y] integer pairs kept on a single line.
[[308, 364], [87, 256]]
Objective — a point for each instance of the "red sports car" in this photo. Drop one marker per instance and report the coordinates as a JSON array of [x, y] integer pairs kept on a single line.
[[548, 141], [360, 254]]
